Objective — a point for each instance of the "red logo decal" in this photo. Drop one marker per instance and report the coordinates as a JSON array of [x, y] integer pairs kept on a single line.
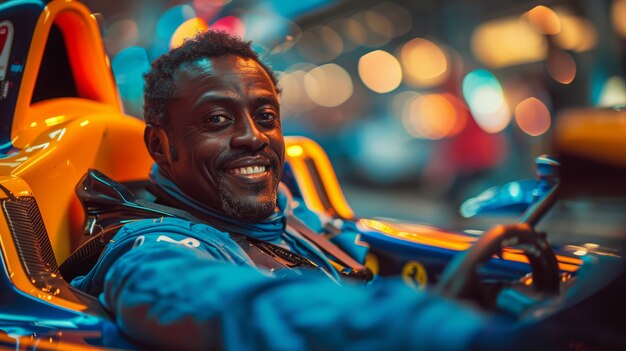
[[4, 33]]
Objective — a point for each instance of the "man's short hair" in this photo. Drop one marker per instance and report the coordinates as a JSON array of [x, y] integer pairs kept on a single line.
[[160, 85]]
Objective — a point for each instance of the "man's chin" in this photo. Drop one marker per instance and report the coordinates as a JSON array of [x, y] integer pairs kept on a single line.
[[252, 208], [252, 203], [249, 211]]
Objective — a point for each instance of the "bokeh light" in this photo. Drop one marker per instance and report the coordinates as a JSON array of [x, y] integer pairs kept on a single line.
[[399, 18], [172, 19], [383, 151], [561, 66], [613, 92], [289, 42], [355, 32], [518, 89], [207, 9], [264, 26], [380, 71], [485, 98], [230, 24], [400, 109], [434, 116], [167, 24], [577, 34], [293, 97], [128, 67], [508, 41], [461, 112], [618, 17], [121, 34], [379, 24], [400, 101], [320, 43], [351, 32], [328, 85], [544, 20], [425, 63], [378, 28], [532, 116], [187, 30]]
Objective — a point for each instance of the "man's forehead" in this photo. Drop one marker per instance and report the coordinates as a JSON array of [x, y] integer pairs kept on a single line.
[[213, 72], [204, 66], [191, 70]]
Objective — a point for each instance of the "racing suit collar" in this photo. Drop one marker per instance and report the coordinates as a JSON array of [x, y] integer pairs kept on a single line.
[[269, 229]]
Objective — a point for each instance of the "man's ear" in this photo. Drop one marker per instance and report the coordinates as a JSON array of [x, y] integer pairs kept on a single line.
[[158, 144]]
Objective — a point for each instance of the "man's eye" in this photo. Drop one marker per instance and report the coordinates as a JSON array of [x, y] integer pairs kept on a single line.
[[266, 117], [216, 119]]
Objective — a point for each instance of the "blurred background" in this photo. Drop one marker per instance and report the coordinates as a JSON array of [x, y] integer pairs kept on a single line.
[[419, 104]]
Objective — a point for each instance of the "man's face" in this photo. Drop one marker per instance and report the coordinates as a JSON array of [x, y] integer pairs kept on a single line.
[[226, 144]]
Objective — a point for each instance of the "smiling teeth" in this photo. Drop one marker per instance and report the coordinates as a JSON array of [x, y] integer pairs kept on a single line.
[[248, 170]]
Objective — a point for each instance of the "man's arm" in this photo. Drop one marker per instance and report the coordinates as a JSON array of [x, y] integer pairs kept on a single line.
[[178, 297]]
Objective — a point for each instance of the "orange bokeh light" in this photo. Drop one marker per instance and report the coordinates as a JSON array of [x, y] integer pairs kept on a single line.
[[424, 62], [186, 30], [544, 20], [561, 66], [532, 116], [435, 116], [577, 34], [328, 85], [508, 41], [380, 71], [618, 17], [462, 114]]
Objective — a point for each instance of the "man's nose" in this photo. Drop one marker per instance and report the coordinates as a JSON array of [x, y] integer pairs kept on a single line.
[[248, 135]]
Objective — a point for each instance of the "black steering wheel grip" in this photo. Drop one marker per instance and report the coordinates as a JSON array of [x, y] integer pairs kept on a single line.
[[460, 275]]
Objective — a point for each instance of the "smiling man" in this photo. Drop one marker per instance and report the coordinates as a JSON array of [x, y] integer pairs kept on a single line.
[[225, 269], [224, 115]]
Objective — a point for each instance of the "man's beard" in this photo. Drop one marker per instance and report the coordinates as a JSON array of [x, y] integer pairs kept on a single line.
[[240, 208]]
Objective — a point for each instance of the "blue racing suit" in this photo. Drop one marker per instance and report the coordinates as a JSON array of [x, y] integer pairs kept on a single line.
[[174, 284]]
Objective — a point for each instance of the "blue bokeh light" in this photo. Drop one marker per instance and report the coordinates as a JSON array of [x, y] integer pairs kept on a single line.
[[129, 66], [166, 26]]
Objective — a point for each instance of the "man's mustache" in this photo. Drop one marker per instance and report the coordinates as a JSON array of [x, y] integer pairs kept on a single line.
[[271, 157]]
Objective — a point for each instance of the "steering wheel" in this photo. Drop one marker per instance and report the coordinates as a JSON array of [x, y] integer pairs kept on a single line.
[[459, 278]]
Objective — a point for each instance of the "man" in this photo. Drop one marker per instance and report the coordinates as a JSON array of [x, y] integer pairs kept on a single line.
[[204, 281]]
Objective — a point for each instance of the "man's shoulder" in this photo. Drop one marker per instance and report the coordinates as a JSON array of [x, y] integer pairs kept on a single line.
[[156, 239], [172, 226], [164, 231]]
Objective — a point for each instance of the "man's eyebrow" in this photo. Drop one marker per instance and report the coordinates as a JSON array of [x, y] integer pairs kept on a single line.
[[267, 100], [226, 99], [214, 98]]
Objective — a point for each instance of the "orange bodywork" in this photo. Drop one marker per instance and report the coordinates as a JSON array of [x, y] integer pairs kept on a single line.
[[57, 140], [299, 150]]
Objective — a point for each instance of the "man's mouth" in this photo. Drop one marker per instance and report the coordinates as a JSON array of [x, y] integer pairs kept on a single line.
[[249, 170]]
